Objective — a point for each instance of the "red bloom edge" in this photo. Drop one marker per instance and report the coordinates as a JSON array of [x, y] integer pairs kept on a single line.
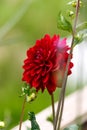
[[46, 62]]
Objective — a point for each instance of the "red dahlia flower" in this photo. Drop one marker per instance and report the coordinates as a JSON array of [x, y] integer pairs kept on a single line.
[[45, 64]]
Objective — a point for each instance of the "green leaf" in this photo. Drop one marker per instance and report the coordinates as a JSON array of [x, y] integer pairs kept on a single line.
[[72, 127], [78, 39], [50, 118], [34, 124], [85, 34], [63, 23], [82, 26], [28, 128], [26, 89]]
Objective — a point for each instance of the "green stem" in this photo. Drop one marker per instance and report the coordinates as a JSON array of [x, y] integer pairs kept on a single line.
[[22, 113], [62, 94], [61, 110], [53, 108]]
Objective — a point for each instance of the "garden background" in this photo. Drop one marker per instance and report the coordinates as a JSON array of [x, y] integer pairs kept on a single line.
[[21, 23]]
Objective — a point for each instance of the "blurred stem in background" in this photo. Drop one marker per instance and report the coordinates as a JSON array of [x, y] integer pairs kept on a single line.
[[15, 19]]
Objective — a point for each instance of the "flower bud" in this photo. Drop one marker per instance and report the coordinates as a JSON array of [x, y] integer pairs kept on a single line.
[[74, 3], [31, 97], [2, 124], [70, 13]]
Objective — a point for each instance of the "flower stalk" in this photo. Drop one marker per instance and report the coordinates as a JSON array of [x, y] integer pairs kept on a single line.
[[22, 113], [62, 94], [53, 108]]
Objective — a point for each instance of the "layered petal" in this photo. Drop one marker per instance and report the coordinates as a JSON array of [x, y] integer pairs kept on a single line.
[[45, 64]]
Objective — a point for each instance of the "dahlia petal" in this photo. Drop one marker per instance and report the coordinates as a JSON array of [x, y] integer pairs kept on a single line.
[[51, 87], [44, 72], [38, 42], [26, 61], [55, 40], [69, 72], [52, 84], [35, 81], [28, 67], [47, 37], [39, 71], [62, 43], [32, 72], [46, 78], [71, 65], [26, 78], [45, 60], [49, 66]]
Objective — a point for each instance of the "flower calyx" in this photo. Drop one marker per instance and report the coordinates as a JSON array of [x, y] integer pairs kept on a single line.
[[30, 93]]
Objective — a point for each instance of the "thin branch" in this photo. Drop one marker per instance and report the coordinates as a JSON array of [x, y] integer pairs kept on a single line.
[[61, 111], [53, 108], [22, 113], [62, 94]]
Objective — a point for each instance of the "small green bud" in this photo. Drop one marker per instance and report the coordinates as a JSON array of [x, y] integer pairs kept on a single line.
[[80, 3], [2, 124], [70, 13], [33, 95], [74, 3], [30, 97]]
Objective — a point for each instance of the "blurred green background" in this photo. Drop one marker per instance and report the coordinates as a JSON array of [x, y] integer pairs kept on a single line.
[[21, 23]]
